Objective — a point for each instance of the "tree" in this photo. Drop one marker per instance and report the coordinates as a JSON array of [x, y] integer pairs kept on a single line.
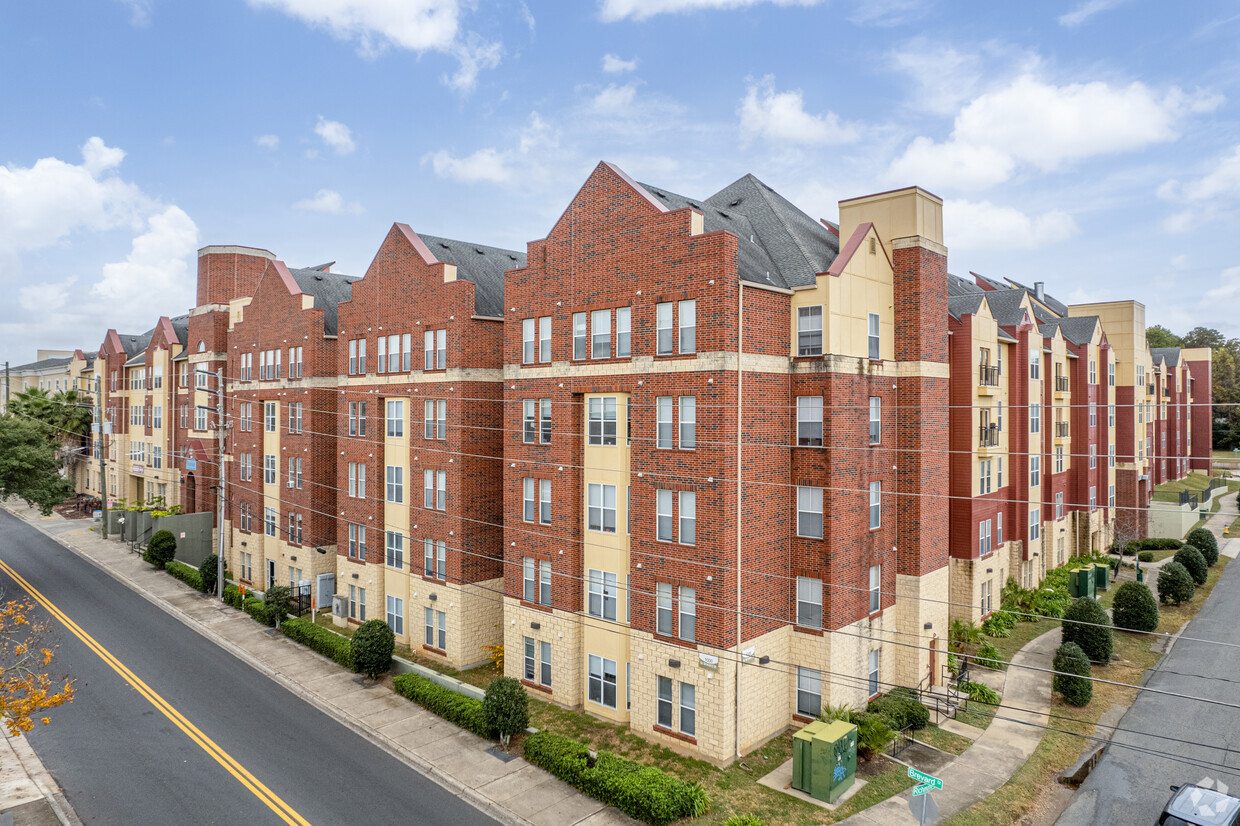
[[1073, 681], [506, 708], [208, 571], [1135, 608], [1203, 337], [1190, 557], [1204, 542], [25, 686], [372, 646], [161, 549], [1160, 336], [278, 599], [28, 466], [1086, 623], [1175, 584]]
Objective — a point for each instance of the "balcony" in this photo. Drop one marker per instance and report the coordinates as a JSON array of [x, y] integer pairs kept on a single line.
[[1061, 384], [1166, 392], [987, 376], [1150, 389], [988, 436]]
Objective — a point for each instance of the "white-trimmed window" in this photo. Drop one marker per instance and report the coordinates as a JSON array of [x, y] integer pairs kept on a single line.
[[983, 538], [688, 326], [269, 521], [688, 422], [528, 341], [601, 507], [688, 517], [269, 469], [1111, 375], [269, 417], [809, 692], [1093, 498], [872, 329], [874, 663], [998, 529], [663, 515], [602, 681], [999, 473], [664, 345], [1111, 496], [435, 559], [809, 512], [876, 419], [395, 492], [581, 337], [602, 421], [809, 421], [983, 477], [441, 349], [357, 603], [436, 629], [624, 336], [294, 472], [1059, 458], [1035, 418], [428, 350], [664, 428], [357, 542], [809, 331], [1035, 523], [1035, 364], [396, 418], [1093, 456], [1093, 372], [395, 550], [294, 417], [688, 614], [876, 505], [663, 608], [1111, 455], [441, 490], [435, 419], [600, 334], [809, 602], [1059, 505], [876, 584], [544, 339], [357, 418], [1035, 471], [602, 594], [987, 595]]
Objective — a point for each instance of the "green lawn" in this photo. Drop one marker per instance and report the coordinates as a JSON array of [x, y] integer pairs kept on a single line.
[[945, 740]]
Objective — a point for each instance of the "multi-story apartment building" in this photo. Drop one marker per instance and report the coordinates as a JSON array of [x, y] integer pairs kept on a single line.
[[280, 461], [52, 370], [419, 417]]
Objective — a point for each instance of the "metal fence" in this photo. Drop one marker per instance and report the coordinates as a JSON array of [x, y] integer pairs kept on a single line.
[[902, 740]]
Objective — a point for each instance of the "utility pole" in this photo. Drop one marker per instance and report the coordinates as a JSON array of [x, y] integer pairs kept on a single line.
[[103, 472], [219, 441]]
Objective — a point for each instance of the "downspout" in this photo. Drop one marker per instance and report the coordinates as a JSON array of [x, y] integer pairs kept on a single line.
[[740, 384]]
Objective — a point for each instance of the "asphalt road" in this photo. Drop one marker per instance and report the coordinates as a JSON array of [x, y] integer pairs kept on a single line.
[[120, 760], [1130, 787]]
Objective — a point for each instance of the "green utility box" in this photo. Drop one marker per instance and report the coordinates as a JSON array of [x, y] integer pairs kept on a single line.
[[824, 759], [1082, 583], [1102, 576]]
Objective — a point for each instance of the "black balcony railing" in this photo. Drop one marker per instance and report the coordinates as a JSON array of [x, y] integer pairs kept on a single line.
[[1061, 429], [1061, 384], [988, 436], [987, 376], [1150, 389], [1167, 392]]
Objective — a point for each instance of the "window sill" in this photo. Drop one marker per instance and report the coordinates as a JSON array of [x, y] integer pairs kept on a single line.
[[692, 355], [811, 632], [537, 606], [536, 686], [434, 580], [687, 738], [677, 641], [434, 650], [802, 718]]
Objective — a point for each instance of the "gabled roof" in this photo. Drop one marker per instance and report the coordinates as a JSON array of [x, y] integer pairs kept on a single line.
[[779, 244], [1006, 306], [43, 364], [1167, 355], [180, 326], [961, 286], [483, 265], [1078, 329], [959, 306], [137, 361], [135, 343], [1057, 306], [328, 290]]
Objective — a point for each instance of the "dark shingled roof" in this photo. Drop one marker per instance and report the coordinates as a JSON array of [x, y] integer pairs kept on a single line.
[[1005, 306], [483, 265], [328, 289], [137, 361], [1169, 355], [779, 244], [1057, 306], [1005, 337], [43, 364], [959, 306], [136, 344], [962, 286], [180, 326]]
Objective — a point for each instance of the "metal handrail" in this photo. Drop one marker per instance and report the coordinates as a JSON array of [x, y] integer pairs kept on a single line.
[[988, 436], [987, 375], [1061, 384]]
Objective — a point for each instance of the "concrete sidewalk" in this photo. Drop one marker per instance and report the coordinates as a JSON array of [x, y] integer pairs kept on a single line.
[[998, 753], [28, 794], [512, 791]]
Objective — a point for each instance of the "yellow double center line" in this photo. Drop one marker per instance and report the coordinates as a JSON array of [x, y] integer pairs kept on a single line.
[[270, 798]]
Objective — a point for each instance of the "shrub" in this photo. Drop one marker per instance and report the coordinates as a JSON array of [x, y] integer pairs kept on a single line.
[[458, 709], [1175, 584], [256, 609], [964, 633], [1205, 542], [900, 712], [183, 572], [873, 734], [989, 657], [208, 571], [1135, 608], [278, 600], [1051, 602], [1191, 558], [1145, 556], [980, 693], [232, 596], [642, 792], [373, 644], [992, 626], [161, 549], [1157, 543], [1078, 689], [841, 712], [328, 643], [744, 820], [953, 663], [506, 708], [1086, 623]]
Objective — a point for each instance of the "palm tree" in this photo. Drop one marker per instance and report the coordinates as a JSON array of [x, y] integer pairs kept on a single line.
[[68, 419]]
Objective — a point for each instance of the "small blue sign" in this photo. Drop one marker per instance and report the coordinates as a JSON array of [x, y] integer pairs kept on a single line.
[[191, 464]]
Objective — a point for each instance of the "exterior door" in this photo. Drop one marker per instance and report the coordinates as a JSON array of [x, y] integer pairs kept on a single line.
[[326, 589], [271, 573], [934, 662]]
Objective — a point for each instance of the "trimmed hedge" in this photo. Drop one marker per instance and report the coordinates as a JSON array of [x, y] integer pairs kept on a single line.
[[1205, 542], [641, 792], [1194, 562], [329, 644], [1086, 623], [1145, 556], [456, 708], [1077, 690], [1175, 584], [900, 712], [256, 608], [232, 595], [1135, 608], [183, 572], [209, 572]]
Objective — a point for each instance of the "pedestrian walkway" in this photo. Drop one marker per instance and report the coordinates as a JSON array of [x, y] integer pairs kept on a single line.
[[998, 753], [512, 791], [28, 794]]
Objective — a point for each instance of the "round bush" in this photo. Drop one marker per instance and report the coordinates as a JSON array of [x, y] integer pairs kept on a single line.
[[1205, 542], [1175, 584], [278, 600], [1145, 556], [1086, 623], [372, 646], [1135, 608], [208, 570], [1191, 558], [506, 708], [161, 549], [1078, 689]]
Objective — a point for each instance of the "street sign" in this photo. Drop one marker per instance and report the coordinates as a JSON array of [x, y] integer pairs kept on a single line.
[[924, 809], [925, 779], [923, 789]]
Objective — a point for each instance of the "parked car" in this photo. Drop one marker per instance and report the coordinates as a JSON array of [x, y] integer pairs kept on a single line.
[[1192, 805]]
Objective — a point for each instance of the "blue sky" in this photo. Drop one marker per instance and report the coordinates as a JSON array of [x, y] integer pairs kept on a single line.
[[1091, 144]]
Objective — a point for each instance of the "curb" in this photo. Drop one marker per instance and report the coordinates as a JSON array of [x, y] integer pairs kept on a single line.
[[43, 781], [448, 782]]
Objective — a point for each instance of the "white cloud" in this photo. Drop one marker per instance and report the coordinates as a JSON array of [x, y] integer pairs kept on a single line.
[[483, 165], [1204, 198], [969, 225], [1227, 293], [781, 117], [45, 298], [139, 12], [1040, 125], [886, 12], [336, 135], [1087, 10], [615, 100], [328, 202], [614, 10], [416, 25], [268, 141], [613, 65], [498, 166], [157, 265]]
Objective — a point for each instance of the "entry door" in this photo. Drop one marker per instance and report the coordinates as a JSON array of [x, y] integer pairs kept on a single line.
[[326, 589], [271, 572], [934, 662]]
